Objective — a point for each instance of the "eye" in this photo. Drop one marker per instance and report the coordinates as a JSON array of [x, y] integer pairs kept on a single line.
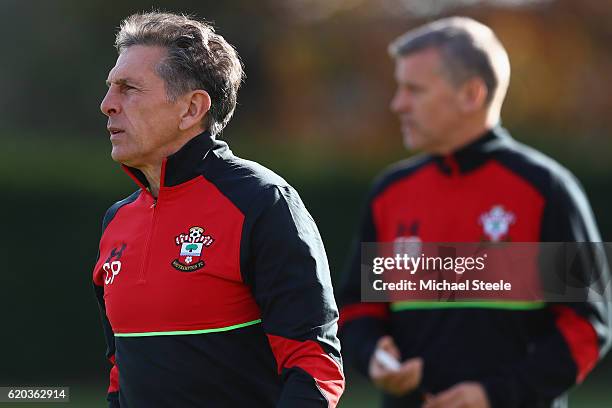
[[415, 89], [126, 87]]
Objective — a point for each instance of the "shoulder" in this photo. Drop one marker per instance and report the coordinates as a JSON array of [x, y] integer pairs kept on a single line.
[[544, 173], [399, 171], [568, 215], [112, 211], [242, 181]]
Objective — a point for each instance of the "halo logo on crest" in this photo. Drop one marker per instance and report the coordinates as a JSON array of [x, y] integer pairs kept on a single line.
[[407, 242], [191, 245], [496, 222]]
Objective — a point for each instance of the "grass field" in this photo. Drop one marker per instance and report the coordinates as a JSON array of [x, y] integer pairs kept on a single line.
[[592, 394], [359, 394]]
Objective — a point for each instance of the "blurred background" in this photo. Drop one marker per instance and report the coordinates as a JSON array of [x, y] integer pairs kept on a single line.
[[314, 108]]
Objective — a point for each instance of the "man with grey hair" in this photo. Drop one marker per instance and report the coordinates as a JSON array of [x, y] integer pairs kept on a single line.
[[212, 280], [474, 183]]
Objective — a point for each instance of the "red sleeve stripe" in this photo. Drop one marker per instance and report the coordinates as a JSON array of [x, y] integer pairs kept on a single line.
[[580, 337], [310, 357], [114, 377], [357, 310]]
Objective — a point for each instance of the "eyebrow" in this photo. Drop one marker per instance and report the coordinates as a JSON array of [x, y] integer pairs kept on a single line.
[[123, 81], [409, 83]]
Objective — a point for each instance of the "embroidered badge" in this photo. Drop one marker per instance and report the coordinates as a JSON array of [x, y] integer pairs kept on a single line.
[[112, 265], [191, 245], [496, 223]]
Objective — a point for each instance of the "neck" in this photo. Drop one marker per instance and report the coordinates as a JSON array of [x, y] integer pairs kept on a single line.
[[465, 134], [463, 139], [152, 169], [153, 174]]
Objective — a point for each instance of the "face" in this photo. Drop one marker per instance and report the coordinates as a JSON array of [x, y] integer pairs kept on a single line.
[[425, 101], [142, 122]]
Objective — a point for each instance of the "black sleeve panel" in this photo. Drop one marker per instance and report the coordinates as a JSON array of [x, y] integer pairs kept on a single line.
[[350, 289], [113, 394], [581, 333], [362, 324], [568, 218], [284, 262], [113, 400], [359, 338], [301, 394]]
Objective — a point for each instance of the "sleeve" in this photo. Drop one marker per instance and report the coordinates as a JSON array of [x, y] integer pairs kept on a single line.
[[289, 275], [361, 324], [581, 331], [113, 388]]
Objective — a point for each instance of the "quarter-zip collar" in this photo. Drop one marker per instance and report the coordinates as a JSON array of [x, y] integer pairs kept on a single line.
[[179, 167], [475, 154]]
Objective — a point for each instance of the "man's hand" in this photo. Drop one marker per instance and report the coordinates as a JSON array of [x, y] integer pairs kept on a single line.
[[462, 395], [399, 382]]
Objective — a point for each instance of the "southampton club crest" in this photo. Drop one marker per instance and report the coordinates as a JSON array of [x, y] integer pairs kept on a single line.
[[496, 223], [191, 245]]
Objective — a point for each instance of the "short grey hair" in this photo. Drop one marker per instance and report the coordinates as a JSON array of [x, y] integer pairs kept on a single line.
[[197, 58], [467, 48]]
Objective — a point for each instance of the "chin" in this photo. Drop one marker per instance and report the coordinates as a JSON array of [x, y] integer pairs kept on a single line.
[[411, 142], [119, 156]]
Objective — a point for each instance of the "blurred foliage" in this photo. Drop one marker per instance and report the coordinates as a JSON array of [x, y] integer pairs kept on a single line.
[[314, 108], [317, 70]]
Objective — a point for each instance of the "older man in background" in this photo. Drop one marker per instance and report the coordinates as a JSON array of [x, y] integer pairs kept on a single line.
[[452, 76]]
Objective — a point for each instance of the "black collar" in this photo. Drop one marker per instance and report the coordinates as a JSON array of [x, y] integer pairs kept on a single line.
[[181, 166], [475, 154]]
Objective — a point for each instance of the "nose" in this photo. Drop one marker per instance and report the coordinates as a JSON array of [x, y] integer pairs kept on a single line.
[[401, 102], [110, 104]]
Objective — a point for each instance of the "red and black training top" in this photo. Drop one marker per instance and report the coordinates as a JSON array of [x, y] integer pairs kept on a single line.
[[525, 355], [218, 292]]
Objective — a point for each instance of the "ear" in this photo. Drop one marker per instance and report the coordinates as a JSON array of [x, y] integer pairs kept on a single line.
[[473, 95], [197, 105]]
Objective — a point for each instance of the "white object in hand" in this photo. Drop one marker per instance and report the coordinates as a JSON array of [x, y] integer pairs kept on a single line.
[[387, 360]]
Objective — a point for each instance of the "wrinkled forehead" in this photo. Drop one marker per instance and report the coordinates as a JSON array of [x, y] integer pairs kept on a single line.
[[138, 63]]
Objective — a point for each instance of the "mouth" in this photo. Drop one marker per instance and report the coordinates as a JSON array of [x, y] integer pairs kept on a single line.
[[407, 124], [114, 131]]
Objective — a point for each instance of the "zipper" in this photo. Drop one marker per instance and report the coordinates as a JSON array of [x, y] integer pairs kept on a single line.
[[145, 261], [146, 258]]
